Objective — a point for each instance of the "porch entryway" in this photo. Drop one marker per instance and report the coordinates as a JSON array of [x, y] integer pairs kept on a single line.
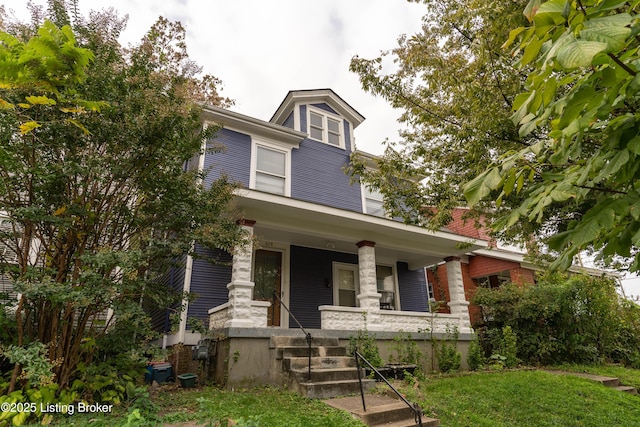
[[268, 279]]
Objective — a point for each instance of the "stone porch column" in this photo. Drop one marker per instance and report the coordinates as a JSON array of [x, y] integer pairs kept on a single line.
[[241, 286], [368, 297], [458, 303]]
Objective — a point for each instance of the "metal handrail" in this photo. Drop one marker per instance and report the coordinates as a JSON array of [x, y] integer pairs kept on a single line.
[[308, 336], [415, 408]]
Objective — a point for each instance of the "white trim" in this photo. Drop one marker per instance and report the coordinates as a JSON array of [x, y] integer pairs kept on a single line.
[[326, 115], [296, 116], [251, 126], [185, 301], [335, 267], [255, 143], [316, 96], [276, 200]]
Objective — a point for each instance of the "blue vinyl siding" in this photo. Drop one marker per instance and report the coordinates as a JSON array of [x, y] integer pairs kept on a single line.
[[289, 121], [174, 280], [326, 108], [209, 282], [310, 270], [317, 176], [413, 288], [234, 160]]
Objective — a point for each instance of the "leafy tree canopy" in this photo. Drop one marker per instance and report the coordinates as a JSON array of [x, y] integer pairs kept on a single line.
[[582, 92], [97, 204], [456, 86]]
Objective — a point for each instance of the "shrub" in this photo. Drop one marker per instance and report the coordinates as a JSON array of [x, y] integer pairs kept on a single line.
[[562, 318], [449, 358], [366, 345], [475, 356], [406, 349]]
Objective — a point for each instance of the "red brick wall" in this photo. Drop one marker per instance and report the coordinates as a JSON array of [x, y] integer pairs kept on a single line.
[[521, 276], [467, 227], [481, 266]]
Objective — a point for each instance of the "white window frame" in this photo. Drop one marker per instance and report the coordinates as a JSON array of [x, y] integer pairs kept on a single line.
[[336, 286], [326, 116], [365, 192], [255, 143]]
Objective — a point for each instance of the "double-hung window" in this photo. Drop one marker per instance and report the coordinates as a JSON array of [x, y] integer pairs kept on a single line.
[[326, 129], [270, 170], [373, 201]]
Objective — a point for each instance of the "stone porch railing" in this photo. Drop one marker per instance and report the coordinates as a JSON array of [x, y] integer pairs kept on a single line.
[[219, 315], [352, 318]]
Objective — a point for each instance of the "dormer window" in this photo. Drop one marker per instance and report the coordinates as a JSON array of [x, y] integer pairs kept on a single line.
[[326, 128]]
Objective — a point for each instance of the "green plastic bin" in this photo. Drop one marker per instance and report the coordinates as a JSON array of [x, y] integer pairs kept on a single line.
[[187, 380]]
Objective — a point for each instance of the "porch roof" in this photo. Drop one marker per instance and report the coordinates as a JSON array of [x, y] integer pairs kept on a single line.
[[297, 222]]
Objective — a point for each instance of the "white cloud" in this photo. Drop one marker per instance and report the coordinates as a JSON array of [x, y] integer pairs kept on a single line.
[[263, 49]]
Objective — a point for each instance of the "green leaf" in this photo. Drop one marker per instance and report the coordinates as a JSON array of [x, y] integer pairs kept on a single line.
[[579, 53], [28, 127], [531, 51], [512, 36], [40, 100], [611, 30], [531, 9], [79, 126]]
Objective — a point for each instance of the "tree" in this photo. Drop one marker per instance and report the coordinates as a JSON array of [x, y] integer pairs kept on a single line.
[[455, 87], [93, 180], [583, 92]]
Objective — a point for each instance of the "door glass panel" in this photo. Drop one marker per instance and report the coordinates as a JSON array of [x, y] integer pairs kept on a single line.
[[266, 274], [267, 277]]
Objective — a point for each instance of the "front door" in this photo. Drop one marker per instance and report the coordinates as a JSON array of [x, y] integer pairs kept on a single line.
[[268, 278]]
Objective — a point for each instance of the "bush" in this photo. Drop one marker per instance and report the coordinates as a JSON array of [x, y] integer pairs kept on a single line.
[[562, 318], [449, 358], [366, 345], [475, 356], [406, 349]]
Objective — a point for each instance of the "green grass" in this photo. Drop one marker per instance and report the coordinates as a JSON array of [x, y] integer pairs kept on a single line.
[[261, 407], [524, 398], [496, 399], [211, 406]]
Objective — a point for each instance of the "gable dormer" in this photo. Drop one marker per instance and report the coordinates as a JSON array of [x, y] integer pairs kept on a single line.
[[321, 114]]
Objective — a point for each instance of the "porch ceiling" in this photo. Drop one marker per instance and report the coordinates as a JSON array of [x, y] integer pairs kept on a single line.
[[281, 219]]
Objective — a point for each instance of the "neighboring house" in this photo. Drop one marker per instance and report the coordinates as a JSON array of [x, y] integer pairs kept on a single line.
[[320, 241], [489, 267]]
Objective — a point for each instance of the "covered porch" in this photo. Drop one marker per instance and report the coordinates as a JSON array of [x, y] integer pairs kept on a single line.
[[337, 270]]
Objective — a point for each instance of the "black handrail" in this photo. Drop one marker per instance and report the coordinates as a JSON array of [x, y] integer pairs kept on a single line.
[[307, 334], [415, 408]]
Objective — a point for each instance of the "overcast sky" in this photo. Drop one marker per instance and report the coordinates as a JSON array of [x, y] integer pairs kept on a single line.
[[262, 49]]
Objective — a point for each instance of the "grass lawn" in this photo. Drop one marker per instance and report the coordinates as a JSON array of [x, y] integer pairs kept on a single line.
[[524, 398], [507, 398]]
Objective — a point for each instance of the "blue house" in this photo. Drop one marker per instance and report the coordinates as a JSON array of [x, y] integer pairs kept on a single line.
[[320, 242]]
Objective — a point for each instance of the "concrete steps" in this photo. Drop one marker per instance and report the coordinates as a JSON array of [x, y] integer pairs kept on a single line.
[[606, 381], [333, 372], [381, 411]]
